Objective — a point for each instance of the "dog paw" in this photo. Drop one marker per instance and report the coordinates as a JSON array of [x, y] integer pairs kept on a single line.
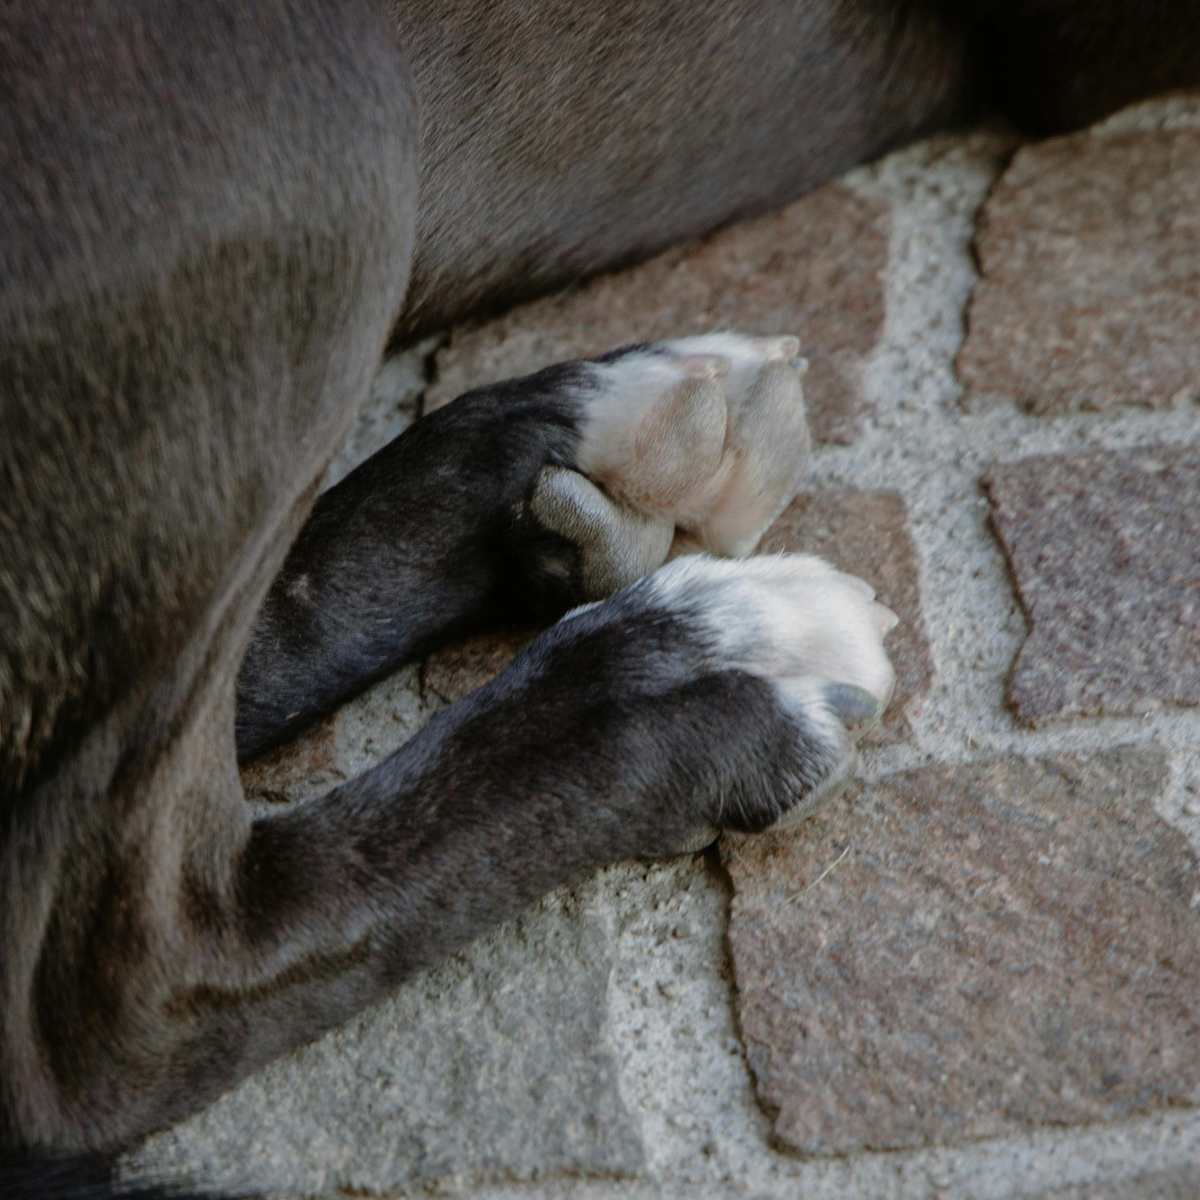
[[814, 632], [811, 634], [689, 445]]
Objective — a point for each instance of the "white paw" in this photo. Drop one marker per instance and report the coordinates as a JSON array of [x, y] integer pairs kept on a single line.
[[784, 616], [708, 433], [813, 631], [684, 446]]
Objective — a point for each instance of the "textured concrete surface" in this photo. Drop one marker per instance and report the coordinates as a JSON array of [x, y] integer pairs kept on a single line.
[[435, 1081], [1105, 550], [647, 986], [1180, 1184]]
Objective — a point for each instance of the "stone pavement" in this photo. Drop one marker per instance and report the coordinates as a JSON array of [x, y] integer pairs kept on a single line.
[[977, 975]]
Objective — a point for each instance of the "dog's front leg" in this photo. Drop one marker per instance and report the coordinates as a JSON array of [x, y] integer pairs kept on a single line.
[[179, 945], [520, 500], [710, 694]]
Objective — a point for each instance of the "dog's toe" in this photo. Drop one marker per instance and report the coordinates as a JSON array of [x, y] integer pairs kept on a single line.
[[708, 432], [616, 543]]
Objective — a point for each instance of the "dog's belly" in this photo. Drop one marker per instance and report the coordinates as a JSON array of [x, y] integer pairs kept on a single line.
[[559, 139]]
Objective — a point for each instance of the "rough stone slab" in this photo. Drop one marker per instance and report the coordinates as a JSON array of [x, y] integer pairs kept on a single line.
[[813, 269], [867, 534], [341, 745], [457, 670], [1089, 252], [497, 1062], [966, 952], [1105, 550], [1179, 1183]]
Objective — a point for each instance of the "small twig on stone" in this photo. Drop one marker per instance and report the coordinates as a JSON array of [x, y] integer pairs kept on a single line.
[[797, 895]]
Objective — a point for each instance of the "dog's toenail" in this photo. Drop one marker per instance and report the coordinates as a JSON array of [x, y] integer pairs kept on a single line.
[[855, 707], [884, 618]]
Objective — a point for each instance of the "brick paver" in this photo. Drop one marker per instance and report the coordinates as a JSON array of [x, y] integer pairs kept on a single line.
[[1105, 550], [1089, 249], [959, 952]]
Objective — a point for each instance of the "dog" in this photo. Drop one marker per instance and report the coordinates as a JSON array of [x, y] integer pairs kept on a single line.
[[213, 220]]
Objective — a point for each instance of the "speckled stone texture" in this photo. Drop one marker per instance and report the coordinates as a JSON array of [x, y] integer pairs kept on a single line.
[[1183, 1183], [1105, 550], [867, 534], [496, 1060], [457, 670], [1089, 251], [813, 269], [341, 744], [960, 952]]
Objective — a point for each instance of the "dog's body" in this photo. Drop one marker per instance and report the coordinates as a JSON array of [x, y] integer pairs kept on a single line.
[[214, 218]]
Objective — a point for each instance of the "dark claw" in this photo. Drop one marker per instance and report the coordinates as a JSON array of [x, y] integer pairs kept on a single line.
[[855, 707]]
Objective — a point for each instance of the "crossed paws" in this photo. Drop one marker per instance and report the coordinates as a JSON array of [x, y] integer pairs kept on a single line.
[[687, 451]]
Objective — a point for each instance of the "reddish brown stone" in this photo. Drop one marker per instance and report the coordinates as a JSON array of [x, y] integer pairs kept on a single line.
[[813, 269], [456, 671], [340, 745], [964, 952], [1105, 550], [278, 776], [1089, 252], [867, 534]]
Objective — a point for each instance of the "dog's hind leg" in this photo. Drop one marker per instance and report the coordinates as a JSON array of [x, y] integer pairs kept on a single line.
[[206, 222]]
